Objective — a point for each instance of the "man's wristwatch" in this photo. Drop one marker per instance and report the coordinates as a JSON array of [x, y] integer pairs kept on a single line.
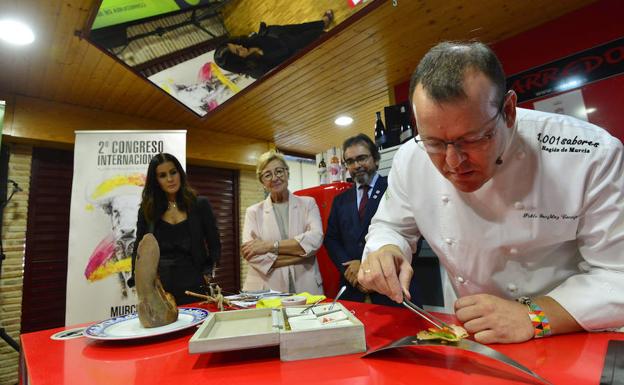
[[541, 324], [276, 247]]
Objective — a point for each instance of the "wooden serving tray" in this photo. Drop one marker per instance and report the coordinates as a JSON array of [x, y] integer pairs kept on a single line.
[[252, 328]]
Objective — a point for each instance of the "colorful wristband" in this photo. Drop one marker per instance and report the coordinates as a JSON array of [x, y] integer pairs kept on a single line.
[[541, 324]]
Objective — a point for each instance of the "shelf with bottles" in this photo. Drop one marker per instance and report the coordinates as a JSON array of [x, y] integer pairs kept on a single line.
[[398, 127], [330, 166], [389, 150]]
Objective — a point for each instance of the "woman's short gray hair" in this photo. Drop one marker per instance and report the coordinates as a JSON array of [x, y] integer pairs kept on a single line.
[[267, 158]]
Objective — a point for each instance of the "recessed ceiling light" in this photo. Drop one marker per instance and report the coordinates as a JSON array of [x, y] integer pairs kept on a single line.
[[343, 120], [16, 32]]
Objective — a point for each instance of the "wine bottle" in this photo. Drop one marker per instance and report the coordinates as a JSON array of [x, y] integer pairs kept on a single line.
[[334, 168], [407, 132], [322, 171], [380, 132]]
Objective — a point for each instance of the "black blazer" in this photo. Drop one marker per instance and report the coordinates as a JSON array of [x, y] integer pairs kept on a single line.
[[280, 42], [345, 237], [205, 242]]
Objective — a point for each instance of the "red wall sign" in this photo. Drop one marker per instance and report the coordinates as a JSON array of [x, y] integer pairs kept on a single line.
[[570, 72]]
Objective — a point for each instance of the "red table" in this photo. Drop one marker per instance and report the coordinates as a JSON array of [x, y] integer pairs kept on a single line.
[[569, 359]]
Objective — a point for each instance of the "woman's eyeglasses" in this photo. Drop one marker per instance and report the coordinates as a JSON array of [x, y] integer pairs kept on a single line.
[[278, 172]]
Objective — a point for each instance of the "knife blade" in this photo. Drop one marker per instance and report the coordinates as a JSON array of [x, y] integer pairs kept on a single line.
[[464, 344], [487, 351]]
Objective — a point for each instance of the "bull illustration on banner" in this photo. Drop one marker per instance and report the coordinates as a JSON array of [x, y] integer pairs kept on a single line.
[[119, 198]]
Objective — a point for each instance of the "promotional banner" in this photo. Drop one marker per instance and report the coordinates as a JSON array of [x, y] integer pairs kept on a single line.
[[109, 175]]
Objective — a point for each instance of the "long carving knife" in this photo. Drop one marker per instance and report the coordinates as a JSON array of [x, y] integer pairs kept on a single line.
[[463, 344], [468, 345]]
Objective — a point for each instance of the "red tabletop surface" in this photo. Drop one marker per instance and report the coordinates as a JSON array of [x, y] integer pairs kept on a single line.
[[568, 359]]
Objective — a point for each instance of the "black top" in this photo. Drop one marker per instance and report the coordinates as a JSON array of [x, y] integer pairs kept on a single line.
[[176, 269], [205, 245], [174, 241]]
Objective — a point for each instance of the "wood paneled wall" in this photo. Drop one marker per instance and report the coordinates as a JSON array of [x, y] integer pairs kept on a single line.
[[38, 120]]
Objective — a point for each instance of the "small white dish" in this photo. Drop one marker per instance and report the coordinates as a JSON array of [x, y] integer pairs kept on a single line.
[[294, 301], [304, 323], [332, 317]]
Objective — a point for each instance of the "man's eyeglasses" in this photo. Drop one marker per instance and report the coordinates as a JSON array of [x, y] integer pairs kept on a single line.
[[278, 172], [358, 159], [467, 143]]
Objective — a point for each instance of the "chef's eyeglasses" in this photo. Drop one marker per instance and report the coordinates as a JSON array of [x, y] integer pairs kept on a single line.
[[467, 143], [358, 159], [278, 172]]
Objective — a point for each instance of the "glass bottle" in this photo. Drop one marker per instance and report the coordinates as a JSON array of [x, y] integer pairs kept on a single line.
[[380, 132], [322, 171], [407, 132], [335, 172]]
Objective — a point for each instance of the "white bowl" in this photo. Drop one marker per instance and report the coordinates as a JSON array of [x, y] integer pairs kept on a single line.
[[294, 301]]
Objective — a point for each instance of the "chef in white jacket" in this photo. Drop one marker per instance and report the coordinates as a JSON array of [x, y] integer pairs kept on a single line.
[[525, 209]]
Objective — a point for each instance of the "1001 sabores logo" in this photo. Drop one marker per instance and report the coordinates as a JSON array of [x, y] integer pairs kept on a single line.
[[557, 143]]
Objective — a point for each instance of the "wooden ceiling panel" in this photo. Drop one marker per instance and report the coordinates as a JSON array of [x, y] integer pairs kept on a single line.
[[140, 94], [97, 83], [337, 75], [73, 61], [244, 16], [379, 50], [350, 72], [148, 102], [30, 67], [63, 49], [98, 91]]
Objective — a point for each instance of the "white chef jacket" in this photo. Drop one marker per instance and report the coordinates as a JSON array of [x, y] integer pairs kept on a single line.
[[549, 222]]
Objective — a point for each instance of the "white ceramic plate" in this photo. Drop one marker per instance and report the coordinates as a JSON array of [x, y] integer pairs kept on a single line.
[[128, 326]]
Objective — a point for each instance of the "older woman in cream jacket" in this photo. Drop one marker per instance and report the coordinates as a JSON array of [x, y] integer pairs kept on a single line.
[[281, 235]]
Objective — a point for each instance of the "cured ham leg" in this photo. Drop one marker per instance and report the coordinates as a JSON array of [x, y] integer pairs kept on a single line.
[[156, 307]]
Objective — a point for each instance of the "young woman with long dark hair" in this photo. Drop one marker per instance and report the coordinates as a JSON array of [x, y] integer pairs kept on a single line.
[[184, 226]]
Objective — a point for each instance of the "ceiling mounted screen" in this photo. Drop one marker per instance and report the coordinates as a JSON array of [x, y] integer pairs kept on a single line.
[[116, 12]]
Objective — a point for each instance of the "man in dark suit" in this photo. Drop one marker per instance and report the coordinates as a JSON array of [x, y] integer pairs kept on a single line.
[[350, 215]]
